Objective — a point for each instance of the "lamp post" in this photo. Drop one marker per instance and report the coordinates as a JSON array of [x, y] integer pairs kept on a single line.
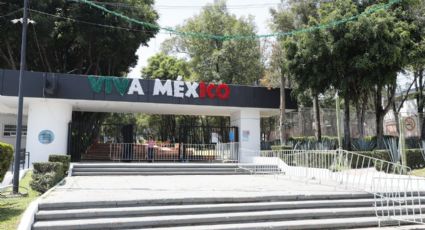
[[21, 99]]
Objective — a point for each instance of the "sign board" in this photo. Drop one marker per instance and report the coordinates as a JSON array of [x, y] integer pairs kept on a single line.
[[177, 88], [46, 137], [214, 138], [232, 136]]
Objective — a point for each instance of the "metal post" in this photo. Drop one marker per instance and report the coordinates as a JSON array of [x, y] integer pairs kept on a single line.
[[21, 99]]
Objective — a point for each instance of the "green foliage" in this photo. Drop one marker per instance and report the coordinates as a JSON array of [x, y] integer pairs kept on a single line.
[[11, 209], [58, 45], [164, 67], [363, 144], [43, 182], [230, 61], [281, 147], [414, 159], [45, 167], [6, 157], [311, 143], [64, 159], [46, 175]]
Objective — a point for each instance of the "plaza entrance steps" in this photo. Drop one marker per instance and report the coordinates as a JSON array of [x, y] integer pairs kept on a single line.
[[127, 169], [321, 211]]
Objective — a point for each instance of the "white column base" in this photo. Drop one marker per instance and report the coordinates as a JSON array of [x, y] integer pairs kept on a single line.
[[248, 123], [52, 116]]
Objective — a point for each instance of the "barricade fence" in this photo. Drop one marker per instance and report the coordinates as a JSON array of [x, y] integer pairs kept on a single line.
[[336, 167], [398, 196], [400, 199], [219, 152]]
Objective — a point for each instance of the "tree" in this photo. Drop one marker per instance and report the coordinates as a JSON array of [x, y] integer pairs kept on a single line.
[[164, 67], [370, 50], [285, 19], [56, 44], [415, 12], [231, 61]]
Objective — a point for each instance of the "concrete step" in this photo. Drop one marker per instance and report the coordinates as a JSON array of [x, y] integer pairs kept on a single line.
[[168, 173], [335, 223], [154, 169], [155, 165], [202, 208], [205, 200], [202, 219]]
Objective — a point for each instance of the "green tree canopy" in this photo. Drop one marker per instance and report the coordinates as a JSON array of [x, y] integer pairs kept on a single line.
[[230, 61], [56, 44], [163, 66]]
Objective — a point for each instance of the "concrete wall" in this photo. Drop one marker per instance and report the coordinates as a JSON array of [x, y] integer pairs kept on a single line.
[[52, 116], [10, 119]]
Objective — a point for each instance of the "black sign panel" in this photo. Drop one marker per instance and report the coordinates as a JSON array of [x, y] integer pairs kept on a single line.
[[77, 87]]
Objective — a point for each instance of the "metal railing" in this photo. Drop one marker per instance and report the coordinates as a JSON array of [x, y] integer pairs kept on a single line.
[[397, 195], [399, 199], [336, 167], [221, 152]]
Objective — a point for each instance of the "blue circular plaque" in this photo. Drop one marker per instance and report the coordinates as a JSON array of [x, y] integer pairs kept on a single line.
[[46, 137]]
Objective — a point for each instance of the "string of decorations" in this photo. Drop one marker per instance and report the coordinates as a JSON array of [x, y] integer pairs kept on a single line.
[[199, 35]]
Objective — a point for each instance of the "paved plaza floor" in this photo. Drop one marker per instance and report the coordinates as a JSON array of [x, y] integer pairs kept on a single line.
[[105, 188]]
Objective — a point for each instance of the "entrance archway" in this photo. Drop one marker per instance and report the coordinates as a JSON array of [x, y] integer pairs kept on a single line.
[[51, 98]]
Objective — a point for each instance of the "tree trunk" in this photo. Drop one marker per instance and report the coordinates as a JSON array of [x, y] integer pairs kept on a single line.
[[282, 111], [396, 117], [360, 113], [316, 107], [420, 101], [347, 133], [379, 118]]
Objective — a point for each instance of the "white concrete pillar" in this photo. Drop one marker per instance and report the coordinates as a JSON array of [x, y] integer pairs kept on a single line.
[[46, 118], [248, 123]]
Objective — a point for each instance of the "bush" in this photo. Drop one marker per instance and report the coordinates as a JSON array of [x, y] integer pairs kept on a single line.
[[46, 167], [6, 158], [64, 159], [281, 147], [43, 182], [311, 143], [365, 144], [46, 175], [414, 159]]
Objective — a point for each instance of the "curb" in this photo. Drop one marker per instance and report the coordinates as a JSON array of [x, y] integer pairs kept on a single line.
[[27, 219]]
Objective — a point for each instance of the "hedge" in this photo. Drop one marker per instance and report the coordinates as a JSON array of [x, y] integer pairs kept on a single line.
[[281, 147], [6, 158], [46, 175], [64, 159], [414, 158]]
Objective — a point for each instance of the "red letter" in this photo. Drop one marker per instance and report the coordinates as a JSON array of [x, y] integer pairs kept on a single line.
[[210, 89], [223, 91], [202, 90]]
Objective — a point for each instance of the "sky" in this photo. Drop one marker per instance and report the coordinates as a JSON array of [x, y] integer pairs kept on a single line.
[[173, 13]]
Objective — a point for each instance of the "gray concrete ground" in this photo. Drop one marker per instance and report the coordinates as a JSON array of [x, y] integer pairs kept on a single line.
[[105, 188]]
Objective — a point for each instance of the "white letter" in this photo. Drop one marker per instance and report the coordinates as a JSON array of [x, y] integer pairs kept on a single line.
[[178, 87], [191, 89], [159, 88], [135, 87]]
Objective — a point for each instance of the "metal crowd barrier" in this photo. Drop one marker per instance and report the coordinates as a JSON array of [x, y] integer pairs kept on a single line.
[[398, 196], [220, 152]]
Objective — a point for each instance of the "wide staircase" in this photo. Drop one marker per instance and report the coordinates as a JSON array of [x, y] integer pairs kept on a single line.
[[324, 211], [130, 169], [97, 152]]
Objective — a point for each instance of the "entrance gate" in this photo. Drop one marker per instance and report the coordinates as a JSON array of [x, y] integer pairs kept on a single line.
[[119, 142]]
